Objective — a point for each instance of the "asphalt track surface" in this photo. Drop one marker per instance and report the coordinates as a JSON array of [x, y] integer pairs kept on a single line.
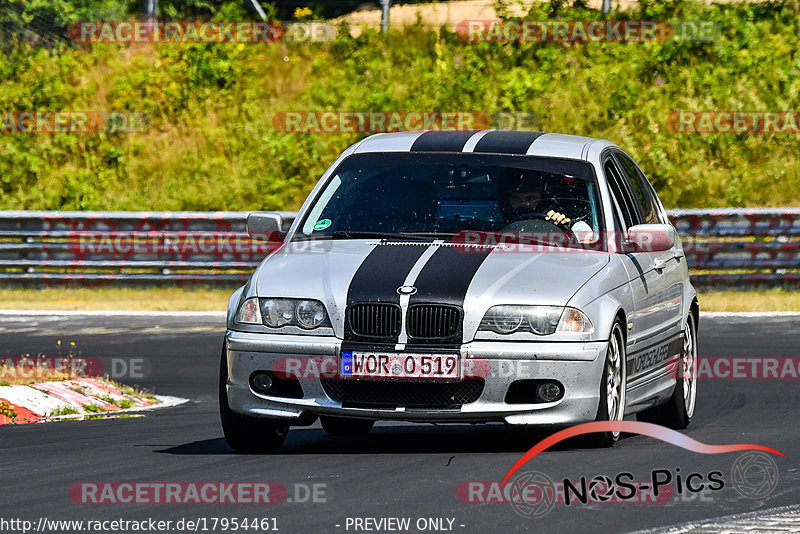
[[399, 470]]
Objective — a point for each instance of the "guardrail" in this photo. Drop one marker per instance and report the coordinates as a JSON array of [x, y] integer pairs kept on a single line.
[[725, 246], [741, 246]]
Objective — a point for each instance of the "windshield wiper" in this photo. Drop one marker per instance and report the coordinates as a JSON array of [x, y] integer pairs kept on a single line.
[[347, 234], [436, 234]]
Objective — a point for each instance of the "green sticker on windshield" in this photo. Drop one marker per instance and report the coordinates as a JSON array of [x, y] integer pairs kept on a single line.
[[322, 224]]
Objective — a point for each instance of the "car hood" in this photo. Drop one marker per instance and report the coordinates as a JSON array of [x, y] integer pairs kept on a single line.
[[342, 271]]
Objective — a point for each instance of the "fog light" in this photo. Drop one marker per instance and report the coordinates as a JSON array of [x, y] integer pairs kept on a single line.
[[261, 382], [549, 392]]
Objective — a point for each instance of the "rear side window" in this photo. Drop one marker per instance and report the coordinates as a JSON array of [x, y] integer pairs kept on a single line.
[[642, 190]]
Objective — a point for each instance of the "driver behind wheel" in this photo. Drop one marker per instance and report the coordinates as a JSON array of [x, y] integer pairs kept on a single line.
[[525, 201]]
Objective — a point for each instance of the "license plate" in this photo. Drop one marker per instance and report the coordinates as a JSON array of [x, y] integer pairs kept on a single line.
[[364, 364]]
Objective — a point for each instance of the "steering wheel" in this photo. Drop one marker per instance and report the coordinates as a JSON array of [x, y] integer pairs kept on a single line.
[[532, 222], [529, 215]]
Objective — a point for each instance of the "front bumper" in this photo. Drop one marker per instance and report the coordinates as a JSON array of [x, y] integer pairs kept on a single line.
[[578, 366]]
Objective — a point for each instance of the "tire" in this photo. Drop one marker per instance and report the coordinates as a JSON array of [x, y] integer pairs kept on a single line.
[[678, 411], [612, 389], [341, 426], [247, 434]]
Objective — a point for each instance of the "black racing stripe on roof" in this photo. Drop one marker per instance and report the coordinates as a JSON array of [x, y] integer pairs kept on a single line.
[[507, 142], [440, 141]]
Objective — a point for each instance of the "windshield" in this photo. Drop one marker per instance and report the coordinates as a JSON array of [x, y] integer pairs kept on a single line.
[[417, 195]]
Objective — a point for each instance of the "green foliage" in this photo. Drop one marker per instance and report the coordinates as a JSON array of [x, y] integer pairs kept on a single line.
[[212, 145], [63, 410], [7, 410], [122, 403], [36, 20]]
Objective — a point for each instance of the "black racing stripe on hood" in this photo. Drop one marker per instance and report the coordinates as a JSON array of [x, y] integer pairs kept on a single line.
[[442, 141], [447, 275], [382, 272], [507, 142]]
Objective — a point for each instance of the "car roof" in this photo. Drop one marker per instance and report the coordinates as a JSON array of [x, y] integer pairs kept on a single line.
[[482, 141]]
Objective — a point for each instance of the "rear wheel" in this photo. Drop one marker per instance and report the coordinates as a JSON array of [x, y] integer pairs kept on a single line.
[[612, 389], [678, 411], [243, 433], [342, 426]]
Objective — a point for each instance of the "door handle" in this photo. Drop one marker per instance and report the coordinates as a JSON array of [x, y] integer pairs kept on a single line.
[[659, 264], [677, 255]]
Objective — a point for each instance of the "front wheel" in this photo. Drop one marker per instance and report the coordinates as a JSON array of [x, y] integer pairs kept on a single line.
[[677, 412], [243, 433], [612, 388]]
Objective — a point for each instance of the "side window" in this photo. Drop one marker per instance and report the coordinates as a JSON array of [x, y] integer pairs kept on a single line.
[[657, 208], [642, 191], [621, 194]]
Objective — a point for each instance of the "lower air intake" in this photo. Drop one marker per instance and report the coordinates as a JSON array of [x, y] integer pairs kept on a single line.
[[379, 394]]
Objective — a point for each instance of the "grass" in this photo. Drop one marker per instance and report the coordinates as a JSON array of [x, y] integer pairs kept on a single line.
[[64, 410], [122, 403], [151, 299], [768, 300], [133, 391], [7, 410], [174, 299]]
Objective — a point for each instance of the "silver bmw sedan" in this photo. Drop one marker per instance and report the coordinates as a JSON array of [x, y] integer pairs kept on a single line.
[[464, 276]]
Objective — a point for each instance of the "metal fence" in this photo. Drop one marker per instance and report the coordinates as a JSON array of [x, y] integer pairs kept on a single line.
[[741, 246], [735, 247]]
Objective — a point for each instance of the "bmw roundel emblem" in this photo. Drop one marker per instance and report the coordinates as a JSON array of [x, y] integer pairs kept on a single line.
[[406, 290]]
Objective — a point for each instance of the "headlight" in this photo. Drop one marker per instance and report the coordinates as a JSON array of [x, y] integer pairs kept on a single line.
[[307, 314], [504, 319], [540, 320], [277, 312], [310, 313], [249, 312]]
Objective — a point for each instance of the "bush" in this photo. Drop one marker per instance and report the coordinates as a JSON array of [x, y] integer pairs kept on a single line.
[[212, 145]]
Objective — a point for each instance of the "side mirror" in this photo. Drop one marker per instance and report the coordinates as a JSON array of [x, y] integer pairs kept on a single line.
[[650, 238], [263, 224]]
